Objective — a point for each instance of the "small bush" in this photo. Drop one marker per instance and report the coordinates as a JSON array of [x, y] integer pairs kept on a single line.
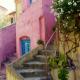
[[63, 73], [59, 63], [40, 42]]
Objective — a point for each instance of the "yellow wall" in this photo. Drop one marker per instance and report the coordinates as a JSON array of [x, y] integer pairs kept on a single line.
[[6, 20], [18, 7], [68, 46], [11, 74]]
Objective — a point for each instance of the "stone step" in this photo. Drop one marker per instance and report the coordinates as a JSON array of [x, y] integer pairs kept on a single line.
[[30, 70], [46, 52], [41, 58], [35, 63], [34, 66], [33, 74], [36, 78]]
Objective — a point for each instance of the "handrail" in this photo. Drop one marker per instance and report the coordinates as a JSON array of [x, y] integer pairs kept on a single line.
[[49, 40], [32, 51], [46, 52]]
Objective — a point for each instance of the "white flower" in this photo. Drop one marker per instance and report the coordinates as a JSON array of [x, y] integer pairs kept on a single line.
[[61, 0], [69, 3], [58, 15], [75, 4], [73, 0], [62, 11], [67, 17], [69, 12]]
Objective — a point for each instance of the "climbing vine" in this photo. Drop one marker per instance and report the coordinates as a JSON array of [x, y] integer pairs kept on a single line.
[[67, 13]]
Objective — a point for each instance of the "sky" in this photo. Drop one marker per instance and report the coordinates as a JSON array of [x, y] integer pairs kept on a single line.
[[9, 4]]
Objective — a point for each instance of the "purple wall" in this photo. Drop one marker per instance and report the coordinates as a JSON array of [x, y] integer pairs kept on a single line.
[[7, 41]]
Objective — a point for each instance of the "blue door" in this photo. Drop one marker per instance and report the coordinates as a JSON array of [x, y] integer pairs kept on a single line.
[[25, 46], [30, 1]]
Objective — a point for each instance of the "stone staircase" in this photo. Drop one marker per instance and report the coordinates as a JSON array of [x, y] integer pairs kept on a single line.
[[36, 68], [3, 66]]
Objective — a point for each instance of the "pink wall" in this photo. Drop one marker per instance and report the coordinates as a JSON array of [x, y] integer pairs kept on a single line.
[[49, 18], [28, 23], [7, 41]]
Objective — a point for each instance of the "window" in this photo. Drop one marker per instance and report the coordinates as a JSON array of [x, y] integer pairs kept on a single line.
[[11, 20], [30, 1]]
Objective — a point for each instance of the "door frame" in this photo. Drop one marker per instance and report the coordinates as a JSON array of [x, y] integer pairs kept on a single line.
[[24, 38]]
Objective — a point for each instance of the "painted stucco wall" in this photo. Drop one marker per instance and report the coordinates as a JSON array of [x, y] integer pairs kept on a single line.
[[7, 41], [49, 18], [28, 23], [6, 20]]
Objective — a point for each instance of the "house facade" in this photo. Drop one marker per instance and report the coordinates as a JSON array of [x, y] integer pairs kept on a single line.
[[34, 21], [8, 19]]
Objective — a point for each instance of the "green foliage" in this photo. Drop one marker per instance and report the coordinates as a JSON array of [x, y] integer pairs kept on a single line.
[[57, 62], [69, 14], [67, 7], [60, 63], [68, 19], [53, 62], [63, 74], [40, 42]]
